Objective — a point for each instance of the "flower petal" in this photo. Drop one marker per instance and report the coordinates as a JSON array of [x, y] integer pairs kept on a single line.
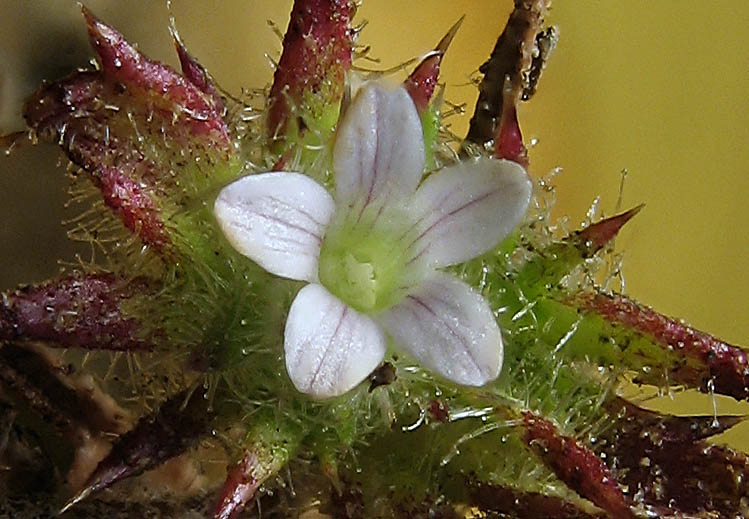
[[276, 219], [466, 209], [379, 149], [329, 346], [449, 328]]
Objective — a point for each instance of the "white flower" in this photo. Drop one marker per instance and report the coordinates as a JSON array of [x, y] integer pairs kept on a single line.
[[371, 255]]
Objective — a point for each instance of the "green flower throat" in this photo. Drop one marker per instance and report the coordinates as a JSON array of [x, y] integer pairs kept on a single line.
[[364, 259]]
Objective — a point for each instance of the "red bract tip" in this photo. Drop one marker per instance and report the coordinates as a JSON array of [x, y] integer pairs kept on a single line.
[[665, 462], [240, 487], [423, 80], [136, 208], [139, 128], [508, 143], [576, 465], [638, 429], [196, 74], [598, 235], [271, 443], [709, 364], [122, 62], [316, 55], [421, 83], [91, 305], [71, 112], [510, 76]]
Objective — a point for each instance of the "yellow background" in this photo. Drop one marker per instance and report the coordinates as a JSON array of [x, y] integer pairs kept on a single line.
[[656, 87]]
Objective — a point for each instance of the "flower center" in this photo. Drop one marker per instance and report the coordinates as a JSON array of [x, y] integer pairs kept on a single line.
[[363, 262]]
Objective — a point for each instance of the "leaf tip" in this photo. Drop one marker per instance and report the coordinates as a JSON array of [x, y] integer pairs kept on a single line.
[[448, 38], [423, 80], [598, 235], [77, 498]]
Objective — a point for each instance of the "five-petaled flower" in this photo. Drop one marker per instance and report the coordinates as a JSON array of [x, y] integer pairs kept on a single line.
[[371, 252]]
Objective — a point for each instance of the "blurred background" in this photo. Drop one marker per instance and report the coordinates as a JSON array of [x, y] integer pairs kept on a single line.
[[658, 89]]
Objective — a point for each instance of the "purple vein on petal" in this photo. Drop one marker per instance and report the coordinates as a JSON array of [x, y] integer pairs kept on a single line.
[[449, 328], [329, 346], [443, 218], [277, 220], [295, 209]]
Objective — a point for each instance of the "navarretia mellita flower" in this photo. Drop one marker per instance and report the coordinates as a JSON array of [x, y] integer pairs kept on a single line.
[[370, 253], [242, 303]]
